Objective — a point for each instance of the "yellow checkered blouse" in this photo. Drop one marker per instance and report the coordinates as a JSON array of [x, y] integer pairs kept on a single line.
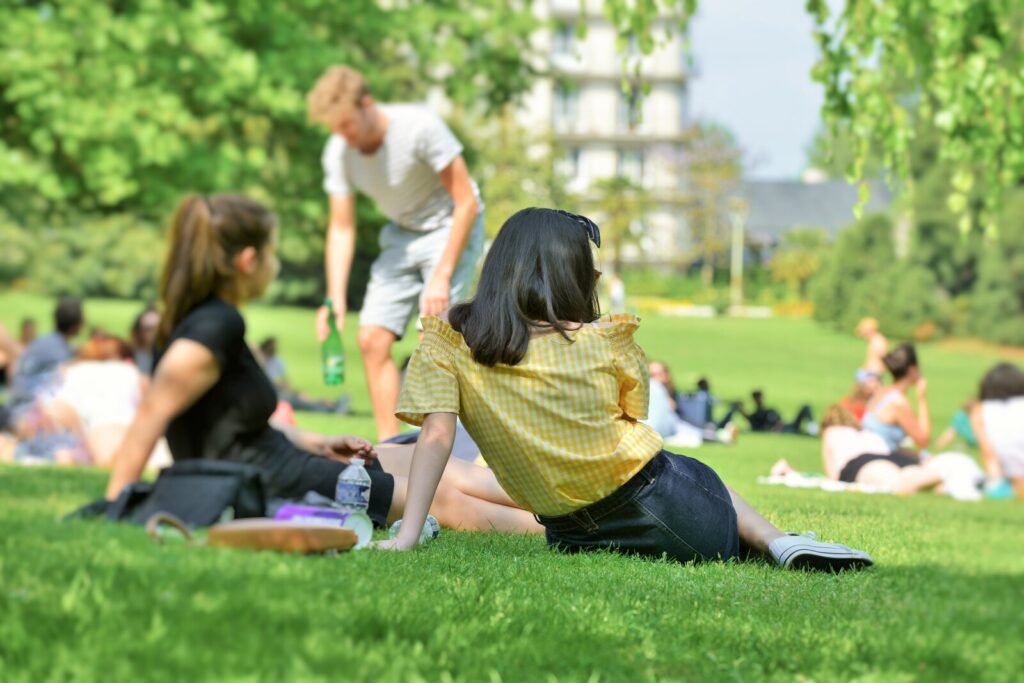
[[559, 428]]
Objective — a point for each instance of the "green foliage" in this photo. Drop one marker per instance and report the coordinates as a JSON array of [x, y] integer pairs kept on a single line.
[[904, 298], [712, 167], [936, 242], [798, 258], [621, 206], [515, 170], [862, 276], [861, 251], [119, 108], [997, 301], [890, 68]]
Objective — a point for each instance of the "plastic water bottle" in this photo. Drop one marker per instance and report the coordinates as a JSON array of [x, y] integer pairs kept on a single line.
[[431, 529], [353, 489], [332, 352]]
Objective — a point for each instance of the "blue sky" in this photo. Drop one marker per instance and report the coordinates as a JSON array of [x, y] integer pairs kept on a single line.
[[753, 60]]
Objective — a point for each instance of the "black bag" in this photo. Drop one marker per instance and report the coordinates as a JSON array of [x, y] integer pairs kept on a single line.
[[198, 492]]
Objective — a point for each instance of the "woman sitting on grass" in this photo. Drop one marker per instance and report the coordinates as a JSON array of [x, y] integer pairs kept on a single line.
[[889, 414], [998, 424], [554, 400], [210, 397], [854, 455]]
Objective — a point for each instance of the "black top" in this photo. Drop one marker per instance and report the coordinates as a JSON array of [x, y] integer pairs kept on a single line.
[[229, 421]]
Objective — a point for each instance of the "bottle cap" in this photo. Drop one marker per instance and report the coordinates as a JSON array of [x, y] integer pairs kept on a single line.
[[358, 461]]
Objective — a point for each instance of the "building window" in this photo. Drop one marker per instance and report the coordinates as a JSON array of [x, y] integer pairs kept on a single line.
[[563, 40], [631, 165], [630, 109], [566, 108], [567, 165]]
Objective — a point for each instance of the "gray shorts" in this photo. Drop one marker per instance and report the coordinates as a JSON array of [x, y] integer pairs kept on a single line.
[[406, 262]]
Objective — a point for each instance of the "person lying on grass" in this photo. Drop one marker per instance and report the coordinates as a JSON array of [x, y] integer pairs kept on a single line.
[[854, 455], [210, 397], [553, 398]]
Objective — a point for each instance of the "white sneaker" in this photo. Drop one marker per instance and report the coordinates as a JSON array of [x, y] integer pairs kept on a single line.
[[804, 551]]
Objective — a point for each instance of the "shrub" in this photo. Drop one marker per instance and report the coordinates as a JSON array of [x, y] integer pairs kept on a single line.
[[861, 251]]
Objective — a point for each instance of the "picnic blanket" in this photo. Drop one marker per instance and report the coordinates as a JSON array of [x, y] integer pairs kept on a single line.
[[962, 479]]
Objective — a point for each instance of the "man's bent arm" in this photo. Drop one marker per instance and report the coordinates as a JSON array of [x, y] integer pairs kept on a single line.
[[340, 247], [455, 178]]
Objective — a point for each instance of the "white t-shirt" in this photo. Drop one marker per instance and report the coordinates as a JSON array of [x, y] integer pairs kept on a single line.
[[402, 175], [102, 392], [1004, 425]]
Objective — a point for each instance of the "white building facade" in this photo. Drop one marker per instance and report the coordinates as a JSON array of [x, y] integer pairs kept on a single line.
[[601, 132]]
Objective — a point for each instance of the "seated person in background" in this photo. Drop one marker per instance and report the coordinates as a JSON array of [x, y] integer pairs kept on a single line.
[[100, 392], [38, 363], [212, 400], [273, 365], [765, 419], [853, 455], [878, 346], [143, 333], [867, 384], [682, 419], [889, 413], [998, 423], [9, 352], [27, 335], [959, 427]]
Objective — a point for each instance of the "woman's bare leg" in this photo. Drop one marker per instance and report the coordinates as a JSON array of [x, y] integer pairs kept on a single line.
[[755, 531], [1018, 485], [916, 478], [457, 510], [102, 442], [7, 446], [473, 480]]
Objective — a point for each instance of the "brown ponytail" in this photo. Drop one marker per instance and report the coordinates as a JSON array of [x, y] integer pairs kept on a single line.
[[205, 235]]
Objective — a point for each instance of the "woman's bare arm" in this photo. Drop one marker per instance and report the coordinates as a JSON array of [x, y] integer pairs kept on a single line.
[[186, 372]]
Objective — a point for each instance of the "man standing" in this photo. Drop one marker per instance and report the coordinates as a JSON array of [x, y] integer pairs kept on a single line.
[[406, 159]]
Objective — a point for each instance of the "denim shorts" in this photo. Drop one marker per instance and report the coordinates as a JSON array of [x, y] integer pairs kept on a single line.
[[674, 506]]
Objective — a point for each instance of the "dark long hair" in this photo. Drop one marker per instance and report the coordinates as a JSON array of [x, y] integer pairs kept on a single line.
[[900, 360], [539, 270], [206, 234], [1003, 381]]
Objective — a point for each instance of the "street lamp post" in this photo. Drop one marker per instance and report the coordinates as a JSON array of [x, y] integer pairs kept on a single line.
[[738, 215]]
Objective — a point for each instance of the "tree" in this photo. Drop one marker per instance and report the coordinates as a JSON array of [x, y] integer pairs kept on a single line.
[[711, 168], [119, 108], [798, 258], [621, 206], [515, 170], [889, 67]]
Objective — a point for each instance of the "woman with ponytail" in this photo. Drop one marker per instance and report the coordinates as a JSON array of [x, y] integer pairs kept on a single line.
[[212, 400]]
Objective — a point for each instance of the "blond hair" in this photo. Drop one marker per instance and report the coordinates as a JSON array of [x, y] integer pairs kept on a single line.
[[838, 416], [340, 88]]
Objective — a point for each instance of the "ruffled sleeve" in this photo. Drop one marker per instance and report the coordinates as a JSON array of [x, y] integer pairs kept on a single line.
[[630, 364], [431, 383]]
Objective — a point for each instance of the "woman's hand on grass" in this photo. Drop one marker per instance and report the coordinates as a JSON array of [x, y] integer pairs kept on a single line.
[[391, 544]]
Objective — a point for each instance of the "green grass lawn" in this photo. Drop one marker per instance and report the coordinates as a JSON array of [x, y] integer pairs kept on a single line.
[[82, 601]]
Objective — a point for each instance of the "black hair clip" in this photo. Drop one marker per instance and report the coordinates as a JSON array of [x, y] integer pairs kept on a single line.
[[593, 232]]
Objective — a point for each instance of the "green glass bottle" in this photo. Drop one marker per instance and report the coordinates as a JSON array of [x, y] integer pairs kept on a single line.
[[332, 352]]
